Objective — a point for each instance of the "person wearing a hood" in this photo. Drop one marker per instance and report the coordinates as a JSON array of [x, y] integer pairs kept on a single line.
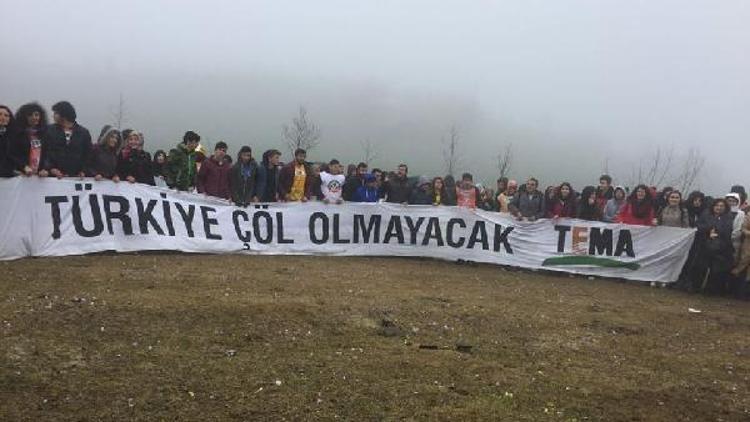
[[6, 128], [268, 176], [449, 184], [715, 249], [26, 141], [421, 195], [506, 197], [243, 178], [213, 177], [133, 163], [563, 203], [673, 214], [103, 158], [604, 192], [159, 164], [588, 207], [740, 190], [529, 204], [332, 182], [67, 144], [738, 216], [695, 205], [181, 163], [639, 209], [614, 205], [368, 192]]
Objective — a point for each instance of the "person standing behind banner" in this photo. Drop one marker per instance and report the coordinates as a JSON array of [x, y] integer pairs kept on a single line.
[[563, 203], [588, 207], [133, 163], [268, 176], [467, 195], [529, 204], [25, 144], [295, 179], [354, 181], [67, 144], [505, 198], [438, 192], [159, 168], [450, 191], [614, 205], [673, 214], [421, 195], [695, 205], [639, 209], [243, 178], [332, 183], [397, 188], [368, 192], [181, 166], [733, 202], [103, 158], [6, 128], [213, 178], [604, 191]]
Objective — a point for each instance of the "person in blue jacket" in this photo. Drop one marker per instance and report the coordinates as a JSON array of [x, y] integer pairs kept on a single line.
[[367, 192]]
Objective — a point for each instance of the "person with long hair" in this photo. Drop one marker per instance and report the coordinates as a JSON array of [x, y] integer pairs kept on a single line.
[[588, 207], [563, 203], [673, 214], [506, 197], [25, 143], [159, 166], [103, 158], [662, 199], [438, 191], [6, 128], [614, 205], [133, 163], [715, 249], [639, 209], [549, 199], [696, 205]]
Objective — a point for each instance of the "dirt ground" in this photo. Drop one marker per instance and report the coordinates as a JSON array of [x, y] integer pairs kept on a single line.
[[197, 337]]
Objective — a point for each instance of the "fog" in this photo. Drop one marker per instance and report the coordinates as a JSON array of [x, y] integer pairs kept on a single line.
[[572, 84]]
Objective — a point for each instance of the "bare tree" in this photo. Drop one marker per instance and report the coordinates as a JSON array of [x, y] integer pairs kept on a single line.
[[451, 153], [504, 160], [690, 171], [118, 113], [302, 133], [605, 165], [659, 167], [368, 151]]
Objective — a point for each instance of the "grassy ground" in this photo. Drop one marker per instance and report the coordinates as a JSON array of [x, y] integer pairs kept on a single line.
[[192, 337]]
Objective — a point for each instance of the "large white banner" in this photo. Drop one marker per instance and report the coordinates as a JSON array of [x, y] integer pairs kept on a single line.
[[50, 217]]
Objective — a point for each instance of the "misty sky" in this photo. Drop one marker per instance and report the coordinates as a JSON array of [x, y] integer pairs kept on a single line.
[[571, 84]]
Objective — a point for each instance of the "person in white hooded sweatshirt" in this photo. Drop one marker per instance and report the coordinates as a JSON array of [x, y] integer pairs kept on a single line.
[[733, 199]]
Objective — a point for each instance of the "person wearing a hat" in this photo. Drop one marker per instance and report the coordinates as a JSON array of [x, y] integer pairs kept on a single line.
[[733, 200], [368, 192], [421, 195]]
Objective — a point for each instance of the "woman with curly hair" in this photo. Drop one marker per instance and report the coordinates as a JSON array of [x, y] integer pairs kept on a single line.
[[639, 209], [588, 207], [25, 143], [563, 202]]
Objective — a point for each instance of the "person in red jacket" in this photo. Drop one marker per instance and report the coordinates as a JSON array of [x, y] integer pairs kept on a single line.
[[213, 177], [639, 210], [563, 203]]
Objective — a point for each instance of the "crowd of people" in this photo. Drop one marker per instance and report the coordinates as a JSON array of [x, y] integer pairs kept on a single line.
[[30, 146]]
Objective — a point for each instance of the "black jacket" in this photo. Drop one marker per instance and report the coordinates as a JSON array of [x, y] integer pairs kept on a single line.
[[69, 156], [138, 164], [398, 190], [420, 197], [102, 161], [243, 188], [350, 186], [6, 165]]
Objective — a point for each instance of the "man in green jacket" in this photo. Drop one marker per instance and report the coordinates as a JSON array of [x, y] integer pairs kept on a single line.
[[181, 166]]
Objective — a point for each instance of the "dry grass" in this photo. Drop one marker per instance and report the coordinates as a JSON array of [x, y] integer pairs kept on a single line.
[[193, 337]]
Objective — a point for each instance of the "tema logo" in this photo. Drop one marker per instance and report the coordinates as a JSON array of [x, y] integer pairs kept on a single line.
[[592, 246]]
